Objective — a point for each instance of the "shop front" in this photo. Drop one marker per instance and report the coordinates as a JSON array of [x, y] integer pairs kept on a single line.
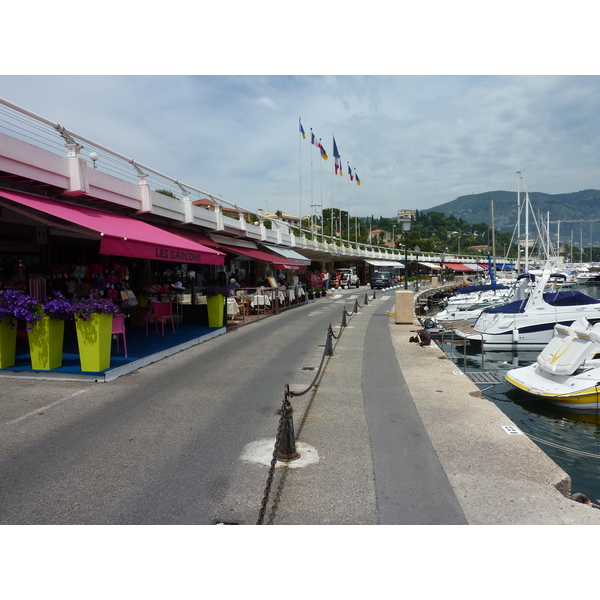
[[51, 246]]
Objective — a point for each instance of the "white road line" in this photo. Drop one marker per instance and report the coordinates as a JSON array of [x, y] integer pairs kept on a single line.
[[44, 408]]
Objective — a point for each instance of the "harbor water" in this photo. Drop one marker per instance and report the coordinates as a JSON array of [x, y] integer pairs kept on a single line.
[[571, 439]]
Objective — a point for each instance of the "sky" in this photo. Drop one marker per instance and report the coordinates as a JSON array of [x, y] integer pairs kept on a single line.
[[454, 119]]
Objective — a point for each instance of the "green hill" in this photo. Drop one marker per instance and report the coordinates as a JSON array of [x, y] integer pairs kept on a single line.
[[576, 211]]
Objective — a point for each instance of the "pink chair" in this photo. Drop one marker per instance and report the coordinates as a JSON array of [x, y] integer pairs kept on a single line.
[[161, 311], [118, 328]]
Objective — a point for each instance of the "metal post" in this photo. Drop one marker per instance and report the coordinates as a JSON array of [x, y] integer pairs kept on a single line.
[[366, 299], [286, 449], [344, 319], [329, 343], [406, 260], [356, 306]]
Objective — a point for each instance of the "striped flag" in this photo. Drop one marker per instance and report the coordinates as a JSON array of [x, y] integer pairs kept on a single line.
[[336, 155], [302, 129], [350, 173], [323, 153], [357, 179]]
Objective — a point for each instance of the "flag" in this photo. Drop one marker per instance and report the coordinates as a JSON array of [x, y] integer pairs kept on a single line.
[[323, 153], [336, 155], [350, 173], [357, 179], [313, 139], [302, 129]]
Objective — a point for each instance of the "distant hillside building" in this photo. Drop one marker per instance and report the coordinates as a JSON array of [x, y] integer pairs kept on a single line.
[[289, 219], [227, 210], [406, 212]]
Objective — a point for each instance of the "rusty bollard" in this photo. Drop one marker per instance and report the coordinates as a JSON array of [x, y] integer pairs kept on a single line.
[[286, 450]]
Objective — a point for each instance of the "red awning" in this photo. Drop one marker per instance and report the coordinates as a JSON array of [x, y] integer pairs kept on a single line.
[[277, 261], [121, 235], [457, 267]]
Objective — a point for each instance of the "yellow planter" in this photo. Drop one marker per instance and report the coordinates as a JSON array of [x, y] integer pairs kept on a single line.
[[94, 340], [46, 344], [216, 310], [8, 343]]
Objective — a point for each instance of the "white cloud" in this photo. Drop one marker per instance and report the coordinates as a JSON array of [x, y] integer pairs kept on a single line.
[[416, 141]]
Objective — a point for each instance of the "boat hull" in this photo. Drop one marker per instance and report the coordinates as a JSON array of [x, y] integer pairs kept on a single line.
[[569, 392]]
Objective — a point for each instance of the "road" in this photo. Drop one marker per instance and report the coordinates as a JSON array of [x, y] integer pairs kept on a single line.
[[169, 443]]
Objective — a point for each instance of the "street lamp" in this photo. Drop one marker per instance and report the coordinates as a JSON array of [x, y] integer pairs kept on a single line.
[[417, 250], [442, 259], [393, 236], [406, 228]]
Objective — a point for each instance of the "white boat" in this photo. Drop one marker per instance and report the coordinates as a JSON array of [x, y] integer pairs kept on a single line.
[[528, 321], [567, 370], [469, 302]]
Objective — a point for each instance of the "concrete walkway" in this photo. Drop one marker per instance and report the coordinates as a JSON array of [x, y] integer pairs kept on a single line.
[[498, 478]]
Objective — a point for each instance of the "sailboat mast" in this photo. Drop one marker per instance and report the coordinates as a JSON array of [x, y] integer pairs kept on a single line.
[[493, 240], [518, 221], [526, 232]]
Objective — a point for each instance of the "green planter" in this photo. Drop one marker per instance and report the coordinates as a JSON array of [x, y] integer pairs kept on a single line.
[[8, 343], [46, 344], [94, 340], [216, 310]]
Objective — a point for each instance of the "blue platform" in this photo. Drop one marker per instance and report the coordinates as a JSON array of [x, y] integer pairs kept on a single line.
[[142, 350]]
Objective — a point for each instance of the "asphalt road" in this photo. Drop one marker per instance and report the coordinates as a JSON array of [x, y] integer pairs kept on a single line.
[[160, 445], [166, 444]]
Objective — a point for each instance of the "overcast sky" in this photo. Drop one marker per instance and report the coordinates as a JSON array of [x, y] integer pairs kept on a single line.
[[416, 141]]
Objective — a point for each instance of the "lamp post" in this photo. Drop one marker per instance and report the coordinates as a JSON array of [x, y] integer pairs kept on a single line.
[[393, 236], [406, 228], [417, 250], [442, 259]]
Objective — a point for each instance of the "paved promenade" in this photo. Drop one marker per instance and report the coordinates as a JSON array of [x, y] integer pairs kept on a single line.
[[403, 439]]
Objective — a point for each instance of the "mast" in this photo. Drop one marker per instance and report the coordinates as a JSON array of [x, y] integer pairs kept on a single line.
[[518, 221], [526, 232], [493, 240]]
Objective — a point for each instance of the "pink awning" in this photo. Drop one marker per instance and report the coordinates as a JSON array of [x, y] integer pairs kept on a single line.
[[277, 261], [121, 235], [457, 267]]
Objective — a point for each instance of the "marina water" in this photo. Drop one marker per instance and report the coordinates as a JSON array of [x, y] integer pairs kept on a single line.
[[571, 439]]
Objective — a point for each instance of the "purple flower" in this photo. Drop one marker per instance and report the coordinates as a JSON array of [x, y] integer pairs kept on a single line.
[[84, 309], [215, 290]]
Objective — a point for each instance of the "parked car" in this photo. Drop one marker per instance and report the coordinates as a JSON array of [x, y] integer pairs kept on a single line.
[[380, 281], [314, 281]]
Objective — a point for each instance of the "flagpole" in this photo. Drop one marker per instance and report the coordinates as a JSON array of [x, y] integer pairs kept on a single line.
[[311, 178], [300, 177]]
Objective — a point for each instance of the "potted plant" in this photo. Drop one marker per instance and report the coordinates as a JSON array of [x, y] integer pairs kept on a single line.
[[11, 302], [310, 292], [46, 332], [215, 303], [93, 321]]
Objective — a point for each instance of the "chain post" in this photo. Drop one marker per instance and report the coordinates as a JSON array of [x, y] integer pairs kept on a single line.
[[356, 309], [329, 342], [366, 299], [286, 448], [344, 319], [374, 296]]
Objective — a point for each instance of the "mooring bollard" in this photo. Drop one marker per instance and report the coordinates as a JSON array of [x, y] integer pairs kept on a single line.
[[286, 450], [329, 343]]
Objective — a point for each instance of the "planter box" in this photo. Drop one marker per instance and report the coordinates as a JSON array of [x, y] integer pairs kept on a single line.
[[94, 339], [8, 343], [216, 310], [46, 344]]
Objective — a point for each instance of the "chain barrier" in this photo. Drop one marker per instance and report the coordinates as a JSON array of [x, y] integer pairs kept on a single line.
[[286, 407]]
